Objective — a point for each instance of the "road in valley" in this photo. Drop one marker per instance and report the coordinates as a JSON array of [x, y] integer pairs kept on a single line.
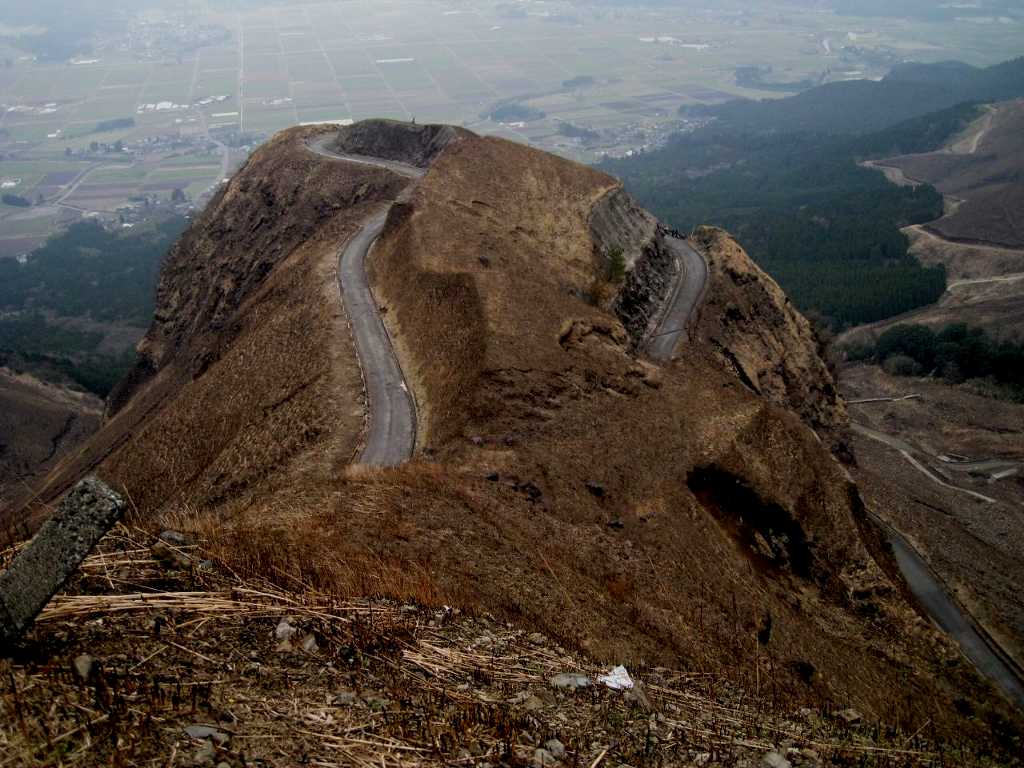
[[933, 596], [391, 437], [976, 644], [689, 290], [906, 451]]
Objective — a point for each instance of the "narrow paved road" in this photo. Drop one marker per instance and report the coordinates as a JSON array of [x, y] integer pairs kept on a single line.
[[392, 434], [689, 290], [975, 643], [391, 437], [906, 450]]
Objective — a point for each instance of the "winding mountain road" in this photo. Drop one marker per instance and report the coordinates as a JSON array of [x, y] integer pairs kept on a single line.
[[391, 437], [686, 297]]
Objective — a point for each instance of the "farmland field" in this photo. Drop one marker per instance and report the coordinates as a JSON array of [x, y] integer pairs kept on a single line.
[[623, 72]]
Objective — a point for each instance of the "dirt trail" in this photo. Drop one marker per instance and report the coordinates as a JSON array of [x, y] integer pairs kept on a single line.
[[906, 451]]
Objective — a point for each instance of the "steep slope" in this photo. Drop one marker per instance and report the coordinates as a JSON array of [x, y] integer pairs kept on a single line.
[[982, 172], [39, 423], [757, 332], [643, 513], [249, 363]]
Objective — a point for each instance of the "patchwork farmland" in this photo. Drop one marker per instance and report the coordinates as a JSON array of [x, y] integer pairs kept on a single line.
[[176, 101]]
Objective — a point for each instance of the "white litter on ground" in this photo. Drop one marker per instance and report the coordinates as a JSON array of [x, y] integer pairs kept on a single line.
[[618, 679]]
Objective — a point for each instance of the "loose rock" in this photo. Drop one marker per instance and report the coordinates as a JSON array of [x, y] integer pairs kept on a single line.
[[571, 680], [84, 665], [200, 731], [556, 748], [775, 760], [543, 758], [284, 630], [849, 716]]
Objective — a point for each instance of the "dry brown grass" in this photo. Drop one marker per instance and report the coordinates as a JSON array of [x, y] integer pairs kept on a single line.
[[986, 184], [468, 267], [361, 682], [40, 422]]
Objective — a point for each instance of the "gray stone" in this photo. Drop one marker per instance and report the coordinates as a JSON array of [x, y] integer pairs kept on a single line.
[[83, 517], [200, 731], [775, 760], [810, 756], [205, 754], [284, 630], [83, 666], [542, 758], [532, 704], [849, 716], [571, 680], [170, 556], [556, 748], [345, 698]]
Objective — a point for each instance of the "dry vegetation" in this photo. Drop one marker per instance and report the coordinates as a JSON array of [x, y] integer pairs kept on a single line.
[[249, 364], [641, 515], [974, 546], [155, 656], [755, 331]]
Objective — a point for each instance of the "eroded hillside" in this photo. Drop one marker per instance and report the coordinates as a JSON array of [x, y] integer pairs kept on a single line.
[[684, 513]]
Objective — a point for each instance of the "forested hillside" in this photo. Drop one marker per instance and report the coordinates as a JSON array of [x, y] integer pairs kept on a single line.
[[58, 309], [861, 106], [826, 228]]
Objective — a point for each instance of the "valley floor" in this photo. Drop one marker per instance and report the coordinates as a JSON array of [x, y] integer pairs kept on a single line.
[[977, 547]]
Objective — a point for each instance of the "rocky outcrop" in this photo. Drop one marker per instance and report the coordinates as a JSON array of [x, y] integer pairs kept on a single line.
[[646, 289], [417, 145], [40, 570], [617, 221], [754, 329]]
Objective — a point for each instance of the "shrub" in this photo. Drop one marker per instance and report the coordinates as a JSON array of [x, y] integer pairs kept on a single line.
[[901, 365], [914, 341], [16, 200], [616, 265]]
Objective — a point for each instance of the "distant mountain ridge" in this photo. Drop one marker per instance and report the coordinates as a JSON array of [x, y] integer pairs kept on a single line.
[[863, 106]]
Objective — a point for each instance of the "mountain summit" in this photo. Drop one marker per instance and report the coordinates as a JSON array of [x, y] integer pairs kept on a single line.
[[481, 414]]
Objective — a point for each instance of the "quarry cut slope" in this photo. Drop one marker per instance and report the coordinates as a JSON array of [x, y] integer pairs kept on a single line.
[[684, 514]]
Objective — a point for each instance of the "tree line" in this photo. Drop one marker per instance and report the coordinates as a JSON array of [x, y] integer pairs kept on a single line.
[[957, 352], [826, 228]]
